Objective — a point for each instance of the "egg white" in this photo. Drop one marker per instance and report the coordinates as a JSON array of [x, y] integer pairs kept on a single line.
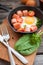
[[28, 25]]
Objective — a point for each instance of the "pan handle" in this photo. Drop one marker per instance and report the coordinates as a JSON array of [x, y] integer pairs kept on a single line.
[[4, 8]]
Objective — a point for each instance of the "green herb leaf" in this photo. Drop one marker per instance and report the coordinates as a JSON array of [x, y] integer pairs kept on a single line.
[[39, 23], [28, 43]]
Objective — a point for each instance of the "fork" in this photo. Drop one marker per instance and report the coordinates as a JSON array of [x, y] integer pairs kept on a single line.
[[19, 56], [6, 37]]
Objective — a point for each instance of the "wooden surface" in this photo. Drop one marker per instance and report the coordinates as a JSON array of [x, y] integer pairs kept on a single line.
[[13, 38], [3, 14]]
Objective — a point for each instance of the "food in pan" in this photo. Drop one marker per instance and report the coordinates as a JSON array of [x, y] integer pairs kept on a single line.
[[25, 21]]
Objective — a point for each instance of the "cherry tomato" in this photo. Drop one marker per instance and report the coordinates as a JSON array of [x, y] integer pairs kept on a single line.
[[16, 25], [15, 16], [31, 13], [33, 28], [20, 13], [25, 12], [20, 20], [13, 21], [21, 30]]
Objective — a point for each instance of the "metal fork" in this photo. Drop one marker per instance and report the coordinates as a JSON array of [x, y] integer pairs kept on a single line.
[[19, 56], [6, 37]]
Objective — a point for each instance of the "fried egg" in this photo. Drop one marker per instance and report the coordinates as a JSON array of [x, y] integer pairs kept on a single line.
[[28, 21]]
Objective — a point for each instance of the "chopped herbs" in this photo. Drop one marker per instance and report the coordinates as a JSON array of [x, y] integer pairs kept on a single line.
[[39, 23]]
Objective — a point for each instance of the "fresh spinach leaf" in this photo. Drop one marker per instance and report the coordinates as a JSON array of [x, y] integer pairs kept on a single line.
[[28, 43]]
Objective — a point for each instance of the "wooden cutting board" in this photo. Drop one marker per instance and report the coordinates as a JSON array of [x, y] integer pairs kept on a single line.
[[13, 38]]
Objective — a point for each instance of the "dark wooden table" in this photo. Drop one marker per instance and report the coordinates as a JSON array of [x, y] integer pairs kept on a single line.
[[3, 14]]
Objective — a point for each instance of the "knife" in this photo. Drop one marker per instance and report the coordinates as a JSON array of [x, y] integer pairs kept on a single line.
[[19, 56]]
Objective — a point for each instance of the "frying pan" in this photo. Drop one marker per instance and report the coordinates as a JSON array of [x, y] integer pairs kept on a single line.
[[38, 12]]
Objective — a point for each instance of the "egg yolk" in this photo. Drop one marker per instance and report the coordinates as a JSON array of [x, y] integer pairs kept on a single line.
[[29, 20]]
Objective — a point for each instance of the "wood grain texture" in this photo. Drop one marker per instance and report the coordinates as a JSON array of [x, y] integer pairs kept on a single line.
[[13, 38], [10, 4], [39, 60], [36, 62], [3, 62]]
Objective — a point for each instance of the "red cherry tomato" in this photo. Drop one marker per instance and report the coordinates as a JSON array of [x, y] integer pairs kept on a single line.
[[20, 13], [13, 21], [21, 30], [31, 13], [25, 12], [16, 25], [20, 20], [15, 16], [33, 28]]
